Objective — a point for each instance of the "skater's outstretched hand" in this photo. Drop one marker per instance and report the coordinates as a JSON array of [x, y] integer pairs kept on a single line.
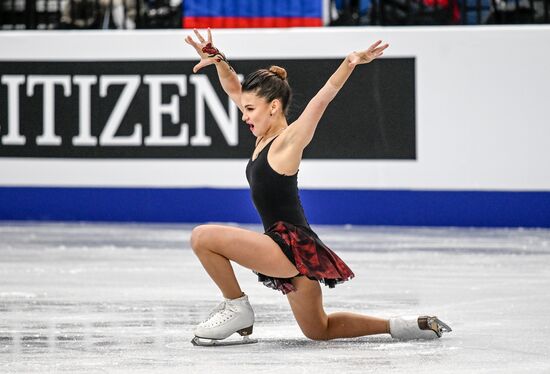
[[205, 48], [364, 57]]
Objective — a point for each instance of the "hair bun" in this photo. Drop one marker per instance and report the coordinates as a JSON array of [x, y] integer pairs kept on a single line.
[[279, 71]]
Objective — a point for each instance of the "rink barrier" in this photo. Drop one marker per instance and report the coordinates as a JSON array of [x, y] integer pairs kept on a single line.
[[361, 207], [123, 131]]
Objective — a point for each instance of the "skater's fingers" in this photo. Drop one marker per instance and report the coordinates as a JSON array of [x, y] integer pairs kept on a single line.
[[374, 45], [199, 36], [201, 64], [194, 44], [380, 49], [190, 40]]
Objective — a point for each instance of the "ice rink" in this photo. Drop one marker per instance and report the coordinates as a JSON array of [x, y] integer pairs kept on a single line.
[[102, 298]]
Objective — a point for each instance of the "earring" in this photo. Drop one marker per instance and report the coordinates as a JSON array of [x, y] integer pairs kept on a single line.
[[271, 114]]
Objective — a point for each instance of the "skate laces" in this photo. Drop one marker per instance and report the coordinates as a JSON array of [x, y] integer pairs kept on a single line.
[[222, 308], [216, 310], [231, 307]]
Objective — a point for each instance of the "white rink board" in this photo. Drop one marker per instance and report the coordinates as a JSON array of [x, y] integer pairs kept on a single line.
[[482, 97]]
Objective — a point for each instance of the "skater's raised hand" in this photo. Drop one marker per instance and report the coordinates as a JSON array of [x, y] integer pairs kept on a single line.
[[364, 57], [205, 48], [201, 47]]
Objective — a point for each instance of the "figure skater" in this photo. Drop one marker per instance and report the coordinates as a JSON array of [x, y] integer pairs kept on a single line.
[[289, 256]]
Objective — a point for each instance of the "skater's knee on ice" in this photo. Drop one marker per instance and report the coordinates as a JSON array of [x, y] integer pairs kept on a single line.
[[317, 336]]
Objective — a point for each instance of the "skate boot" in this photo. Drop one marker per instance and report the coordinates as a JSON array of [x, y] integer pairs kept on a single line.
[[231, 316], [414, 327]]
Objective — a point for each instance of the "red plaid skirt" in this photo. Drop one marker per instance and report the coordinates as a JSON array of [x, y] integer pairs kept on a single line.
[[309, 254]]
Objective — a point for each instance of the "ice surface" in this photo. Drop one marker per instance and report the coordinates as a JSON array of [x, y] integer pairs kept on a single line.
[[105, 298]]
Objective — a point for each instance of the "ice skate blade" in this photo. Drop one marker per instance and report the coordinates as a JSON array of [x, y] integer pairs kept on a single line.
[[443, 327], [204, 342], [434, 324]]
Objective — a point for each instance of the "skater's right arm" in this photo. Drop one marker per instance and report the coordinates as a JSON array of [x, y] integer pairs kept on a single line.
[[211, 55]]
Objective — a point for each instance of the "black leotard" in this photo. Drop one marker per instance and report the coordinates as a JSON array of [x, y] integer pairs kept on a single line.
[[274, 195]]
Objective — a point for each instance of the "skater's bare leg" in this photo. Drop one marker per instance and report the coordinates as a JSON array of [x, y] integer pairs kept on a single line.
[[307, 305], [216, 245]]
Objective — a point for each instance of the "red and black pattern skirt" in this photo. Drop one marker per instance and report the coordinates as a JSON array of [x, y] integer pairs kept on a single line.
[[309, 254]]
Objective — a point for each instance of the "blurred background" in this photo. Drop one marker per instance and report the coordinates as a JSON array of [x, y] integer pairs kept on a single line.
[[174, 14]]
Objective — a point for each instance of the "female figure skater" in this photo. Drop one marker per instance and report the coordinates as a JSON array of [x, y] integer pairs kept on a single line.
[[289, 257]]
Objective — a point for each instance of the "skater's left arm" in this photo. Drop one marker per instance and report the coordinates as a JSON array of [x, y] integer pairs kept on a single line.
[[304, 127]]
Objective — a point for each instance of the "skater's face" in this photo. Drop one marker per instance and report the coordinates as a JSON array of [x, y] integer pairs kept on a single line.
[[258, 113]]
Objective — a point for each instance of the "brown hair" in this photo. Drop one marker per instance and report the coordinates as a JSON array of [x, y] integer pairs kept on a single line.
[[270, 84]]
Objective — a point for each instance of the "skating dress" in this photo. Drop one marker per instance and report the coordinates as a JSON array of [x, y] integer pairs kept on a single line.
[[277, 200]]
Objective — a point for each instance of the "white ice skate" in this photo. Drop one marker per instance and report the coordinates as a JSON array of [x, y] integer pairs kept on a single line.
[[415, 327], [231, 316]]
